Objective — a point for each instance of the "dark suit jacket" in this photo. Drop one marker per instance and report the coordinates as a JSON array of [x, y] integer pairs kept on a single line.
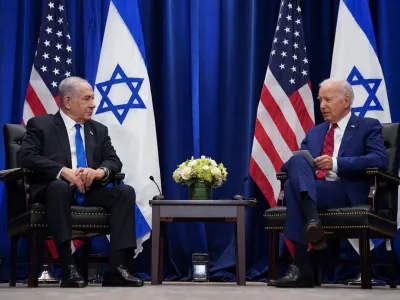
[[362, 147], [45, 149]]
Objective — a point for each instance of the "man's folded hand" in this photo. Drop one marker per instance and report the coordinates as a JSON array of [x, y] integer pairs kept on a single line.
[[323, 162], [70, 176], [88, 175]]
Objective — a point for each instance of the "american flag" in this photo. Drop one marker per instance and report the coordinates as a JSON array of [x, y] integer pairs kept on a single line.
[[286, 110], [52, 63]]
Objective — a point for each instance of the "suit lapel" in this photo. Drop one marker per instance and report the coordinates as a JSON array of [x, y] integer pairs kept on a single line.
[[348, 133], [62, 137], [89, 141]]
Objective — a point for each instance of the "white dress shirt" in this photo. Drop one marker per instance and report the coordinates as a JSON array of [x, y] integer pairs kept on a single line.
[[71, 131], [338, 136]]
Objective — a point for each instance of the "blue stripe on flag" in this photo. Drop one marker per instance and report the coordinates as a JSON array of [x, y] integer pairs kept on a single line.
[[129, 12], [377, 242], [142, 227], [360, 11]]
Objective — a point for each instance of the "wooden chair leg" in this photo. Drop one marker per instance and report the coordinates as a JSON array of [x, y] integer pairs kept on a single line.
[[85, 266], [365, 260], [393, 262], [13, 261], [319, 269], [272, 254], [36, 239]]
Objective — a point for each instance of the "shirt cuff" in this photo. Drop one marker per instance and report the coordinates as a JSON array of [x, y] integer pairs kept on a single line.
[[334, 165], [59, 174]]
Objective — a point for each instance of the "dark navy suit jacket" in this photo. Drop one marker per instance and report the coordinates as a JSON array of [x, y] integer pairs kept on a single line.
[[362, 147], [45, 149]]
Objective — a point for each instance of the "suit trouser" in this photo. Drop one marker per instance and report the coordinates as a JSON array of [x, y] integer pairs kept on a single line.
[[326, 194], [118, 200]]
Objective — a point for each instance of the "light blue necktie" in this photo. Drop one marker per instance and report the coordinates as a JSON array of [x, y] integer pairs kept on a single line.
[[81, 158]]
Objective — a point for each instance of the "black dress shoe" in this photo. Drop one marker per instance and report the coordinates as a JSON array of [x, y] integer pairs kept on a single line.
[[294, 278], [72, 278], [121, 277], [313, 232]]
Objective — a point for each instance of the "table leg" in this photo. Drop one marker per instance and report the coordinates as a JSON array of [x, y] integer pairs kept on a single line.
[[161, 253], [155, 246], [240, 246]]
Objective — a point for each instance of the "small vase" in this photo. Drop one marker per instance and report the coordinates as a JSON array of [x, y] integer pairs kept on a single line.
[[199, 191]]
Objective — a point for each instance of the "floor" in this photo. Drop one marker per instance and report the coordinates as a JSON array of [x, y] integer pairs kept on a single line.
[[195, 291]]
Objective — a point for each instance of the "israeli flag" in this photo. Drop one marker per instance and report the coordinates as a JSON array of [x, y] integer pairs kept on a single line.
[[124, 105], [355, 58]]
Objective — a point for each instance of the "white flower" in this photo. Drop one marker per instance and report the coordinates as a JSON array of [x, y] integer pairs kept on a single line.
[[192, 163], [216, 172], [182, 165], [213, 163], [186, 173], [205, 168], [202, 157], [176, 176]]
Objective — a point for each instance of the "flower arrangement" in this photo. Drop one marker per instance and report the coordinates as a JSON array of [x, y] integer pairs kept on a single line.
[[203, 169]]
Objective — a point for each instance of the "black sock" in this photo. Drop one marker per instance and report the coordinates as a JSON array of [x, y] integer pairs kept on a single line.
[[309, 207], [117, 258], [301, 259], [65, 255]]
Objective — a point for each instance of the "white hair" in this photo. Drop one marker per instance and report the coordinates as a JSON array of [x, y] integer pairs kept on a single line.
[[68, 87], [344, 86]]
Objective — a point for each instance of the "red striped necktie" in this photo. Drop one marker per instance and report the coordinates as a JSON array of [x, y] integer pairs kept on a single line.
[[327, 149]]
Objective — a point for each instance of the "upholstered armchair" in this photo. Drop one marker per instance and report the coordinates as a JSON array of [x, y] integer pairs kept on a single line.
[[28, 219], [377, 219]]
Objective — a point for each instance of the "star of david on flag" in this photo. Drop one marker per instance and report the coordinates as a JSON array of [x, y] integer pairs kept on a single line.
[[134, 85], [371, 86]]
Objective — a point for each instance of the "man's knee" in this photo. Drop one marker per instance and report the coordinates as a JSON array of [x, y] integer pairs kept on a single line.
[[296, 161], [58, 194], [286, 186], [59, 186], [127, 192]]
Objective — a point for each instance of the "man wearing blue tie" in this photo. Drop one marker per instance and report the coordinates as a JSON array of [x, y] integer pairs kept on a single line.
[[69, 148], [343, 147]]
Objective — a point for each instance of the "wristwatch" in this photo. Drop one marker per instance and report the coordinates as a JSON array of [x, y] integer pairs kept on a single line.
[[106, 172]]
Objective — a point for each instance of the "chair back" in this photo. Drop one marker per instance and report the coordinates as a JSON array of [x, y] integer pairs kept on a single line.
[[16, 201], [13, 136], [387, 196]]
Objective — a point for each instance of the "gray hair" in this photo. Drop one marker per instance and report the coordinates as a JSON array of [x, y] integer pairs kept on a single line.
[[344, 86], [68, 87]]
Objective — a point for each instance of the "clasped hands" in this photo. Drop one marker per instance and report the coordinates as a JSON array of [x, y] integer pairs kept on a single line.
[[323, 162], [82, 178]]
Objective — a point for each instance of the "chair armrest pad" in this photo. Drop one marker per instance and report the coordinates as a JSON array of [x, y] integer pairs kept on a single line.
[[119, 176], [282, 176], [11, 175], [383, 175]]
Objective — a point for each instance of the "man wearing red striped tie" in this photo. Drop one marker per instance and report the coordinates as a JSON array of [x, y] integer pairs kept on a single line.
[[343, 147]]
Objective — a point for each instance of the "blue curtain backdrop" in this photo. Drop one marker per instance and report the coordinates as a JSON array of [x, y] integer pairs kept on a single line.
[[207, 61]]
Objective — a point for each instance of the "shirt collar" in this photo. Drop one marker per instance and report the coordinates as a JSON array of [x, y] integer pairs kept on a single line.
[[342, 124], [69, 123]]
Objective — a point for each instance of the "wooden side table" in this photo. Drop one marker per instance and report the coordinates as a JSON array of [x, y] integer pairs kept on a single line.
[[226, 211]]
